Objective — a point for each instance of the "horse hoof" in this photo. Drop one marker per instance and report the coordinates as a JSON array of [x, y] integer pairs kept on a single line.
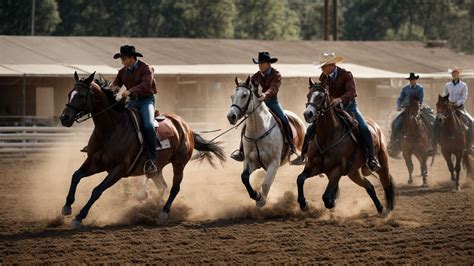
[[458, 188], [384, 213], [305, 208], [141, 195], [65, 211], [410, 181], [76, 224], [163, 217], [425, 184], [260, 201]]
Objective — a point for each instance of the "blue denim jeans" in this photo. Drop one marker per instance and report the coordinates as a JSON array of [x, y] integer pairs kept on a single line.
[[365, 135], [146, 106], [276, 108]]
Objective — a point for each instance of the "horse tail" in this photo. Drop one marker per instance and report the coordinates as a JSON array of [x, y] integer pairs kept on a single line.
[[467, 164], [390, 193], [207, 150]]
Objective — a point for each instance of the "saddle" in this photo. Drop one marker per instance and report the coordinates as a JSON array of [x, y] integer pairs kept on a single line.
[[292, 121], [163, 126], [347, 119]]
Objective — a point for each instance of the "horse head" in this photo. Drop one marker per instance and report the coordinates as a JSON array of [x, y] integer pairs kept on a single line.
[[443, 108], [318, 101], [414, 107], [243, 100], [79, 102]]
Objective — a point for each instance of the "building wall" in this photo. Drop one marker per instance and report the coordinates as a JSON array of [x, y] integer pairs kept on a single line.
[[205, 100]]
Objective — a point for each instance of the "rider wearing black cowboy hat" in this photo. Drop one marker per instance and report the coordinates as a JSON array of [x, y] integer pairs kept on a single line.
[[409, 90], [270, 80], [138, 78]]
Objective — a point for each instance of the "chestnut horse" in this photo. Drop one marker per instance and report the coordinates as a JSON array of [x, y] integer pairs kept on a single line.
[[335, 152], [452, 138], [415, 139], [114, 145]]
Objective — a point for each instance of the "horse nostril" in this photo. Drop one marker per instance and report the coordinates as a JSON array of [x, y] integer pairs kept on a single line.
[[233, 116]]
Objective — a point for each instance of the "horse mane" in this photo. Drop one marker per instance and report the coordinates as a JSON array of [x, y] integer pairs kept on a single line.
[[104, 84]]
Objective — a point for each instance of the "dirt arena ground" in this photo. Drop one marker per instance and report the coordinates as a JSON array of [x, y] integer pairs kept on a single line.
[[213, 220]]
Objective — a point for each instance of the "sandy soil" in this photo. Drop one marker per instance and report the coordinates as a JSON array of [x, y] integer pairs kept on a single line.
[[213, 220]]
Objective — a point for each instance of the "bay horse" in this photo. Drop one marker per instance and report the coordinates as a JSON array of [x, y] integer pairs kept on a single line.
[[415, 139], [335, 152], [114, 145], [263, 141], [452, 138]]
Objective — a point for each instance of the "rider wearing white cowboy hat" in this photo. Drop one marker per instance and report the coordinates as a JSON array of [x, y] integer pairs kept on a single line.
[[341, 87], [457, 91]]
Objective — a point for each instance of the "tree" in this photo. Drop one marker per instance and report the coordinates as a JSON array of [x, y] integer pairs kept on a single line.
[[266, 19], [310, 14], [16, 17]]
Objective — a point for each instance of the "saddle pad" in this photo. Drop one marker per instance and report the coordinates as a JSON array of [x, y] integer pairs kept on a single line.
[[164, 130], [280, 125]]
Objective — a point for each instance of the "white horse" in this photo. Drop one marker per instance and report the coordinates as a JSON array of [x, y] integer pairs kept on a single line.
[[263, 141]]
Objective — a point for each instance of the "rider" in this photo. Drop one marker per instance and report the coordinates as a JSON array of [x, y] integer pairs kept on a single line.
[[342, 90], [411, 89], [138, 78], [270, 80], [457, 91]]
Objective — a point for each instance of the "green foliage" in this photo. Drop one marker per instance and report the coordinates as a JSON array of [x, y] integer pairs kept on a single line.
[[16, 17], [419, 20]]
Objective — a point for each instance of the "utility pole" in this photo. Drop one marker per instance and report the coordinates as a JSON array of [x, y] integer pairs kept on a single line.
[[334, 19], [32, 17], [325, 20]]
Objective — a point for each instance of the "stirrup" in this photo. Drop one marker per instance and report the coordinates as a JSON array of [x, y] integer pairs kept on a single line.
[[237, 155], [149, 168], [300, 160]]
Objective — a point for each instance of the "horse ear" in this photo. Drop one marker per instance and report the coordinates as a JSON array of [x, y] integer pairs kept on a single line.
[[237, 81], [76, 77], [447, 96], [90, 78], [311, 82], [247, 81]]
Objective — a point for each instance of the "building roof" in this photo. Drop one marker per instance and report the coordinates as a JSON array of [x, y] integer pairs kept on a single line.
[[33, 54]]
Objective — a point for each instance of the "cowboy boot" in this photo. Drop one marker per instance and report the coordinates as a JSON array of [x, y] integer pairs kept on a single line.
[[150, 168], [238, 154], [301, 159]]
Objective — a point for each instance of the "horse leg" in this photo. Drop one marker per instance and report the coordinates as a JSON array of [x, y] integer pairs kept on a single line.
[[458, 170], [424, 168], [329, 196], [409, 164], [300, 183], [267, 183], [447, 157], [160, 183], [110, 180], [85, 170], [142, 193], [386, 180], [245, 177], [178, 169], [365, 183]]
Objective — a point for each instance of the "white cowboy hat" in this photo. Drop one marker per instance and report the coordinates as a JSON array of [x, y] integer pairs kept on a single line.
[[458, 69], [326, 58]]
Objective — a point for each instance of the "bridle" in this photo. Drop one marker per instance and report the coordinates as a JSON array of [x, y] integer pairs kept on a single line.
[[81, 110], [320, 110], [243, 110]]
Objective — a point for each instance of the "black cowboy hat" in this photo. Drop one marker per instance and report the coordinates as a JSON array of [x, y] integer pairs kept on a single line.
[[264, 57], [127, 50], [412, 76]]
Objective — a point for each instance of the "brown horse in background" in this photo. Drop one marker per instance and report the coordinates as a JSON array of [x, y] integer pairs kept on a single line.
[[335, 152], [452, 138], [415, 139], [114, 145]]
